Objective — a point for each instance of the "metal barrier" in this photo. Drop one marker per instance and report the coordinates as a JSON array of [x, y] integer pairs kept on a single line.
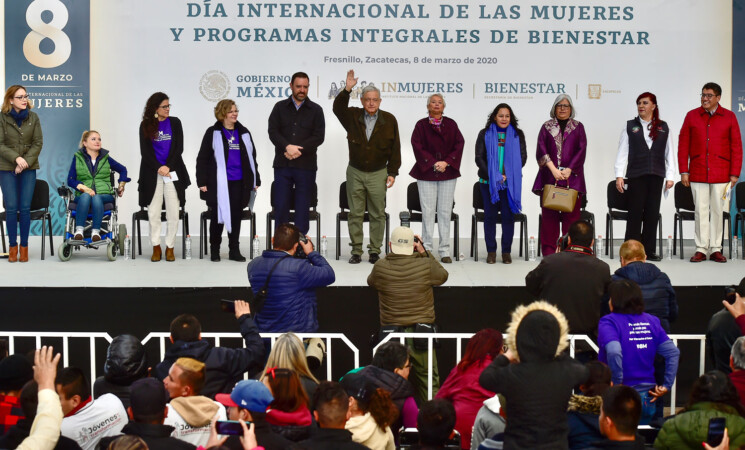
[[65, 336], [573, 338], [327, 337], [163, 336]]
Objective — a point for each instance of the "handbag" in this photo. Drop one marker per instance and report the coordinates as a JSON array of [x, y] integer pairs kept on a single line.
[[559, 198], [259, 298]]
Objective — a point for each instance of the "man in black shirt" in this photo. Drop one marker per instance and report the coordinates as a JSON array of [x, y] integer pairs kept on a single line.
[[296, 128]]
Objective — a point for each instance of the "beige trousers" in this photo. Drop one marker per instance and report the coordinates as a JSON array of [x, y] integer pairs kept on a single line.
[[168, 192], [709, 212]]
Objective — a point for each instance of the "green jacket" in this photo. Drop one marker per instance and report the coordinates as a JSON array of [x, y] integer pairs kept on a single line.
[[404, 284], [25, 141], [382, 151], [100, 181], [688, 430]]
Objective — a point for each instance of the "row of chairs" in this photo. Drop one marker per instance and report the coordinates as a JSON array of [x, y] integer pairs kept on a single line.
[[617, 210]]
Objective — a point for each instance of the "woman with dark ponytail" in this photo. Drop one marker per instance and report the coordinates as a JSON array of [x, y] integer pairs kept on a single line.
[[645, 159], [372, 413], [163, 175]]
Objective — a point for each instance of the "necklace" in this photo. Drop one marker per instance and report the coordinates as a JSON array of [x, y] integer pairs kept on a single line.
[[229, 135]]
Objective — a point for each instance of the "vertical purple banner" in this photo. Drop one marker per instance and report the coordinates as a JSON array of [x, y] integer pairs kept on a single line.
[[47, 50], [738, 85]]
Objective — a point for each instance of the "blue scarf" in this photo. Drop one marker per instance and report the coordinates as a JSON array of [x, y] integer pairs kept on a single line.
[[19, 117], [512, 166]]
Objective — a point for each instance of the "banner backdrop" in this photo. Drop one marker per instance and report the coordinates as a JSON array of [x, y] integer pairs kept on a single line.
[[476, 53], [47, 50], [738, 85]]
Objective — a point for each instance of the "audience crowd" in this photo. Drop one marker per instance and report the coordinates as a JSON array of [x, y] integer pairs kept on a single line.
[[523, 392]]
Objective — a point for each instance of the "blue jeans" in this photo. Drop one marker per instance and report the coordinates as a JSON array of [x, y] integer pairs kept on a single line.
[[491, 211], [18, 190], [648, 408], [94, 204]]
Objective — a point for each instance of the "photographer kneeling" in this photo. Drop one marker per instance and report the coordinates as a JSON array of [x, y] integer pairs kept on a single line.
[[288, 276]]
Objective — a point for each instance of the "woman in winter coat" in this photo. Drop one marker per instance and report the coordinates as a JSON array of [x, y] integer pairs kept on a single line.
[[536, 378], [227, 176], [372, 413], [462, 385], [20, 146], [713, 395]]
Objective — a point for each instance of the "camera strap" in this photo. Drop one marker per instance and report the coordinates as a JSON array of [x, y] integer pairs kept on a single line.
[[269, 276]]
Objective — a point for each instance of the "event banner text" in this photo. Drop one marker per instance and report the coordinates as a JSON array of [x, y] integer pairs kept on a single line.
[[425, 23]]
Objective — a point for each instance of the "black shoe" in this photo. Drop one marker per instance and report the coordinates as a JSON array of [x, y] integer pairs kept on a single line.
[[214, 254], [355, 259], [374, 257], [235, 255], [654, 257]]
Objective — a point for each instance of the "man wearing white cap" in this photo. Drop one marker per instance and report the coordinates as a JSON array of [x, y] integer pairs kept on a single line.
[[404, 281]]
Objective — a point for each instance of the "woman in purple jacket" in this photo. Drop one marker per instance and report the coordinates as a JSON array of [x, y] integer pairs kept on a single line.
[[438, 148], [562, 145]]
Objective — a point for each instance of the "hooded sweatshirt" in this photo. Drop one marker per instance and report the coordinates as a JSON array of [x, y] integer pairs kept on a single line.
[[538, 387], [366, 431], [191, 417]]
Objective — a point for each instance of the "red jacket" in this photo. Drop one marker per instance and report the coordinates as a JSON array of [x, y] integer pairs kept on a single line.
[[710, 146], [462, 388]]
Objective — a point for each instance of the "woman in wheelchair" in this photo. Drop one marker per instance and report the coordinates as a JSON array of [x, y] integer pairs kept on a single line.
[[90, 177]]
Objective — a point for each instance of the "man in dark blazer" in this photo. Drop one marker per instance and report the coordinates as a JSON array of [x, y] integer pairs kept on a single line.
[[374, 160]]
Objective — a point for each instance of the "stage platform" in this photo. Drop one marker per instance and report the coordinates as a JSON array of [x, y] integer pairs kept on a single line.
[[203, 273]]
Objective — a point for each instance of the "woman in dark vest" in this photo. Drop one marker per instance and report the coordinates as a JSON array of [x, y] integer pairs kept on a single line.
[[20, 146], [163, 175], [89, 175], [227, 176], [646, 153]]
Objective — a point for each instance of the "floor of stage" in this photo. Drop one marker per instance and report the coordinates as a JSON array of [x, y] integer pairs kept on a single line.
[[141, 272]]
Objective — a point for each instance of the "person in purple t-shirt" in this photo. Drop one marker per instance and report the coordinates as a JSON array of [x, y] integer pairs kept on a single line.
[[629, 339], [163, 175], [227, 176]]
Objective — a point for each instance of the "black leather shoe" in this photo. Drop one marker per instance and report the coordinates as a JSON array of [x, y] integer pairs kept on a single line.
[[355, 259], [374, 257], [654, 257], [235, 255]]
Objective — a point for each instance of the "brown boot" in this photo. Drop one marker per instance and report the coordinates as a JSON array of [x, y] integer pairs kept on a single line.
[[156, 254], [169, 254], [491, 257], [13, 254], [506, 258], [23, 257]]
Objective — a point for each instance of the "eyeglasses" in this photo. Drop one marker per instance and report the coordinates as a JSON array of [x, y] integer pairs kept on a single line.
[[560, 106], [165, 106], [21, 97], [706, 96]]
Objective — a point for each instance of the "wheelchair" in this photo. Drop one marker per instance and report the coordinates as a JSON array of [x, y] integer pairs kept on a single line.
[[112, 236]]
